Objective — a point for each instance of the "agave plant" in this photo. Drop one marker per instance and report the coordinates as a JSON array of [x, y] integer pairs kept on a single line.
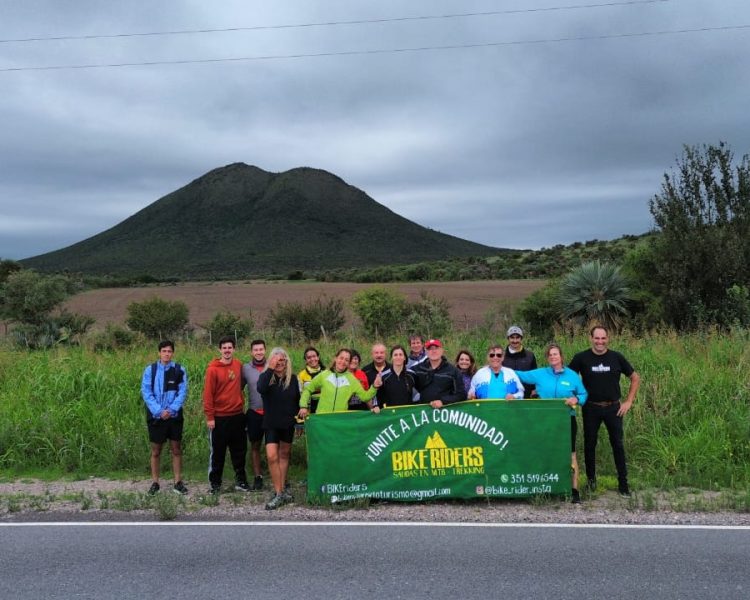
[[595, 292]]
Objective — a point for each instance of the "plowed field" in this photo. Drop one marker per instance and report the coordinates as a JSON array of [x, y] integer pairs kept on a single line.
[[469, 300]]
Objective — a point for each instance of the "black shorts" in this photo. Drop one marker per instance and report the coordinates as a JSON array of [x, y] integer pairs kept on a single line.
[[573, 432], [285, 434], [161, 430], [254, 426]]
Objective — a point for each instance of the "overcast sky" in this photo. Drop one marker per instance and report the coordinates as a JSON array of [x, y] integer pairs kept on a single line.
[[511, 143]]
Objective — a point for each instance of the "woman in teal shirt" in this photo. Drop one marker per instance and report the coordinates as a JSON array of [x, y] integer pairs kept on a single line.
[[558, 381]]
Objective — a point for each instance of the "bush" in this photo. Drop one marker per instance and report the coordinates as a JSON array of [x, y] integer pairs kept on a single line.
[[29, 297], [311, 320], [381, 311], [429, 315], [157, 318], [541, 309], [114, 337], [226, 323]]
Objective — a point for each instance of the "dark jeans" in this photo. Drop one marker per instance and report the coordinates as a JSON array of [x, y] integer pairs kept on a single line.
[[592, 418], [229, 432]]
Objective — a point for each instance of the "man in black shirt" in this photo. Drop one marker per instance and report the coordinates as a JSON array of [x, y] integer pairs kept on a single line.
[[600, 369], [438, 381], [518, 358]]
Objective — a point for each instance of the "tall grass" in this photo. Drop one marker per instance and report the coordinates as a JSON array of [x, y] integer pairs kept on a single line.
[[78, 411]]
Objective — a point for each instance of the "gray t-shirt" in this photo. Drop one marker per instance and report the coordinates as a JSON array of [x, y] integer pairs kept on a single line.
[[250, 374]]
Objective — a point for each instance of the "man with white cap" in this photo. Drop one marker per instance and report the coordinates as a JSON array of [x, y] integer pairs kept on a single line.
[[517, 357]]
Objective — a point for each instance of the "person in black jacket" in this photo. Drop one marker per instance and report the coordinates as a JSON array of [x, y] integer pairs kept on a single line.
[[519, 358], [438, 381], [279, 390], [398, 381]]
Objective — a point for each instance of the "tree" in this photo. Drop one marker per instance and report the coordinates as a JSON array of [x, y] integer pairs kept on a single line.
[[157, 318], [594, 293], [29, 297], [703, 250]]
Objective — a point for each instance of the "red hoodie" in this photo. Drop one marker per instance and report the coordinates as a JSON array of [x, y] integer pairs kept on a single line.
[[222, 390]]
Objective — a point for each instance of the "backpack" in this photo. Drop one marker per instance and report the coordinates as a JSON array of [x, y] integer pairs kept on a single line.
[[172, 380]]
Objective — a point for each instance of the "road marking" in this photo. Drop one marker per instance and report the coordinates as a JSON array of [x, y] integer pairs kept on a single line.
[[373, 524]]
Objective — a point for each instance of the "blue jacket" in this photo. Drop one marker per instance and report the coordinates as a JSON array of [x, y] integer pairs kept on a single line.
[[159, 399], [550, 384]]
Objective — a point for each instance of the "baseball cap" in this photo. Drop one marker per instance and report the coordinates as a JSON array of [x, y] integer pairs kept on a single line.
[[515, 330], [429, 343]]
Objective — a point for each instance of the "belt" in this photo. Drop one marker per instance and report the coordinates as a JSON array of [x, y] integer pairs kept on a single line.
[[609, 403]]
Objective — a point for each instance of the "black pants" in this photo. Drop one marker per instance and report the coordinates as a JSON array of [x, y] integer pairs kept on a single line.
[[229, 432], [592, 418]]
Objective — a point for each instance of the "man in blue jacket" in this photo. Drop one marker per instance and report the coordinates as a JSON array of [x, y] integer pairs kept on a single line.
[[164, 389]]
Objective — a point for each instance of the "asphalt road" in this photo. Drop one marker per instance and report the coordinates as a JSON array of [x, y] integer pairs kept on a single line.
[[385, 561]]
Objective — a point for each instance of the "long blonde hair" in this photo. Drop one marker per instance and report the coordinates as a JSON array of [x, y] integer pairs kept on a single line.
[[287, 378]]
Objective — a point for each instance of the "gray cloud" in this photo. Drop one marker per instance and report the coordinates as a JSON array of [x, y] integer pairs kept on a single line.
[[515, 145]]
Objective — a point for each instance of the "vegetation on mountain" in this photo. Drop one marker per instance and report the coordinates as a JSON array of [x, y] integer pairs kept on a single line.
[[239, 221]]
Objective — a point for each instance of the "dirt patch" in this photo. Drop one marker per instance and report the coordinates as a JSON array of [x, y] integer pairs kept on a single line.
[[469, 300], [103, 500]]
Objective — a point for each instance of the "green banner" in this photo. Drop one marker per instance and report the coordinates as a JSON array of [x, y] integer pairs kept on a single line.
[[474, 449]]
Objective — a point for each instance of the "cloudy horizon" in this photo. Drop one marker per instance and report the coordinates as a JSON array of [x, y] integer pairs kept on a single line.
[[533, 126]]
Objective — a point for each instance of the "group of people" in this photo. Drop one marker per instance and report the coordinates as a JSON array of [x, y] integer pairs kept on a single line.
[[278, 399]]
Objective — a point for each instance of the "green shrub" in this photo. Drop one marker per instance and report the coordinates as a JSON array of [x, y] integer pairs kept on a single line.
[[381, 311], [157, 318], [226, 323], [311, 320], [429, 315], [114, 337]]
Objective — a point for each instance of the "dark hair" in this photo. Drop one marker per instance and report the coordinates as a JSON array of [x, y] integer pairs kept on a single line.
[[595, 327], [227, 339], [399, 347], [416, 336], [166, 344], [355, 354], [257, 342], [472, 362], [313, 348]]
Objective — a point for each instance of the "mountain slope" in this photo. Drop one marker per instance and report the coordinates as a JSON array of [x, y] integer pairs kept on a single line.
[[241, 221]]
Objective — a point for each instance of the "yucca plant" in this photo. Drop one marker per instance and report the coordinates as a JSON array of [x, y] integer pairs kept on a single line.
[[595, 292]]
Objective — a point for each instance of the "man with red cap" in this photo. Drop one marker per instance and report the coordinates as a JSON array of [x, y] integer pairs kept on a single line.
[[438, 381]]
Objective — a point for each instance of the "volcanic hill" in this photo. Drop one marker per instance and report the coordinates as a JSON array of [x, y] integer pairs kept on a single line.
[[240, 221]]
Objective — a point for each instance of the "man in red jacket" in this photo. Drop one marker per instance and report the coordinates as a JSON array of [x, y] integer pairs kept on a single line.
[[224, 406]]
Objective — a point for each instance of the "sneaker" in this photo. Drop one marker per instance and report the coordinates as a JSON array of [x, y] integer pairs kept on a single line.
[[179, 488], [287, 497], [591, 485], [215, 490], [154, 488], [258, 483], [275, 502], [624, 490], [241, 486], [288, 487], [575, 497]]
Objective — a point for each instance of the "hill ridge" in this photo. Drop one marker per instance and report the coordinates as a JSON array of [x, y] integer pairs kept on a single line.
[[239, 220]]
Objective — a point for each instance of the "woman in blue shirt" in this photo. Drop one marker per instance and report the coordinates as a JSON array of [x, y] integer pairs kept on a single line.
[[558, 381]]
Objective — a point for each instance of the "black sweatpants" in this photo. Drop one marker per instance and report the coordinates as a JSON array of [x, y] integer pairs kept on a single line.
[[593, 417], [229, 432]]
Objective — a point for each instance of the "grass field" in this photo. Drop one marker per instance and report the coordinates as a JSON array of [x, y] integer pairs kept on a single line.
[[77, 413]]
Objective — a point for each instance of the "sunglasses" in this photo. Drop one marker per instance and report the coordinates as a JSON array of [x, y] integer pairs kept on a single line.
[[495, 355]]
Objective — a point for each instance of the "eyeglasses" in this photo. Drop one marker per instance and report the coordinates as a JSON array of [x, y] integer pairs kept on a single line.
[[495, 355]]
